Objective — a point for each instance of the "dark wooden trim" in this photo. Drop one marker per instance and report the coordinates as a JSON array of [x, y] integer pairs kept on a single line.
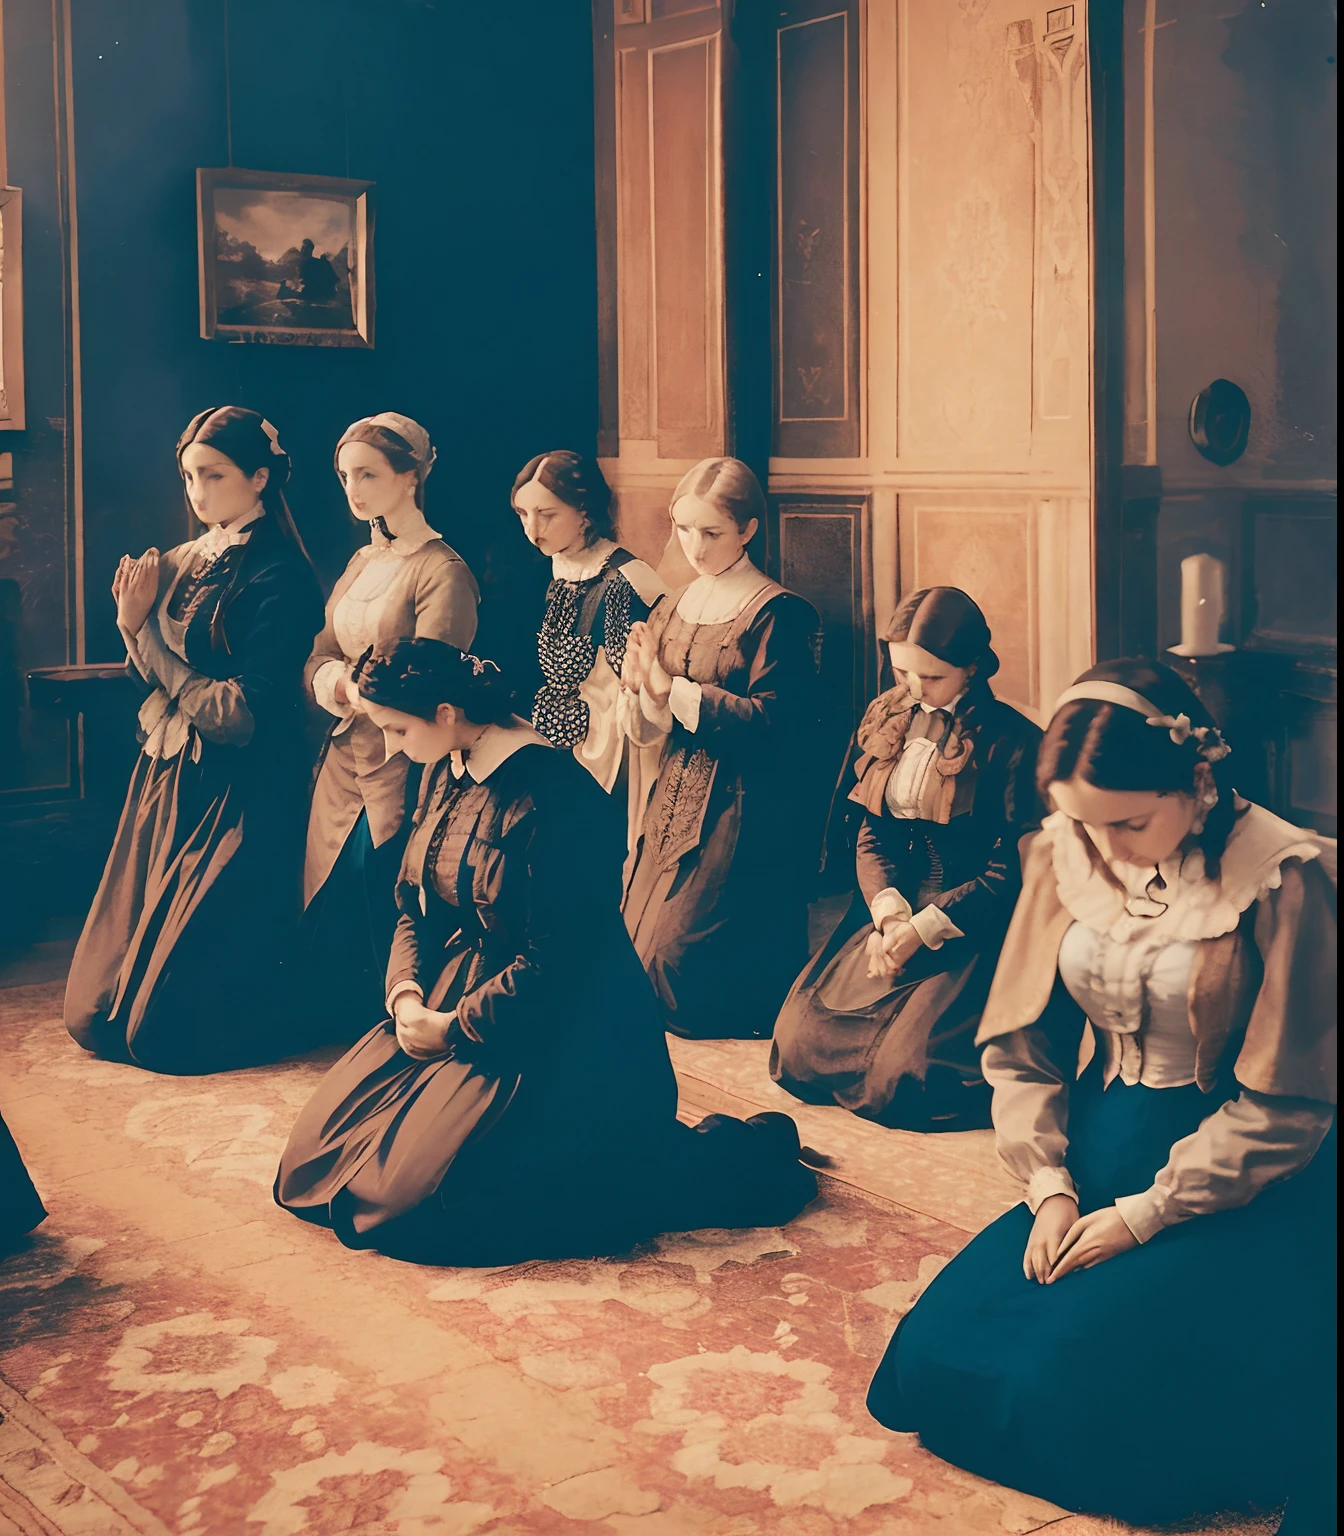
[[1123, 551], [606, 193]]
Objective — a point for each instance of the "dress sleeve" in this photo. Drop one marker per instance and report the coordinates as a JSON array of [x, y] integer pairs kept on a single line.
[[574, 841], [781, 686], [327, 661], [877, 874], [1030, 1071], [980, 908], [268, 654], [446, 603], [1247, 1144]]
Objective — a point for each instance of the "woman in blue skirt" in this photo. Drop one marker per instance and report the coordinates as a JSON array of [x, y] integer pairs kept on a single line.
[[1150, 1335]]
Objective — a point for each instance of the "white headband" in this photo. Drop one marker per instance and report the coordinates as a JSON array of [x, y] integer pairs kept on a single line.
[[411, 433], [1211, 747]]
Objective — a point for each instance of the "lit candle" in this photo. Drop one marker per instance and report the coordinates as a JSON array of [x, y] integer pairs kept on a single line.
[[1203, 588]]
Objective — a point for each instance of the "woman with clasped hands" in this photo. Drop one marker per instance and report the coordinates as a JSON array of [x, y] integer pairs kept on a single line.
[[1143, 1337]]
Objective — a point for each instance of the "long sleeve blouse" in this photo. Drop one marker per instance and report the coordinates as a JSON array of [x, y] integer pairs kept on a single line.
[[1131, 979]]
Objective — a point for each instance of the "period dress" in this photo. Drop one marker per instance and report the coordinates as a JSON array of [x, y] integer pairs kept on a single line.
[[413, 586], [179, 965], [592, 601], [20, 1208], [716, 900], [941, 799], [1195, 1371], [549, 1128]]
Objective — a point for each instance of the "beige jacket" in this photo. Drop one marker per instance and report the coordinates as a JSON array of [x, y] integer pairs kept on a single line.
[[427, 592]]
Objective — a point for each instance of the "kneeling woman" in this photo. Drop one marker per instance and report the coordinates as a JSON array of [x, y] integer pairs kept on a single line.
[[1147, 1337], [882, 1021], [520, 1102], [179, 966], [722, 681]]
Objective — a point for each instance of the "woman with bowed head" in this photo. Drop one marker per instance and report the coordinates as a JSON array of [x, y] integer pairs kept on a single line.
[[518, 1102], [404, 583], [883, 1019], [178, 968], [722, 681], [1148, 1335], [598, 591]]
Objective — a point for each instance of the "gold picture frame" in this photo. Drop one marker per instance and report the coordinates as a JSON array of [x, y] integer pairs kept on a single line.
[[284, 259], [11, 310]]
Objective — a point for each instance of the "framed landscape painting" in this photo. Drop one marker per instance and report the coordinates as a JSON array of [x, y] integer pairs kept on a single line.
[[285, 259]]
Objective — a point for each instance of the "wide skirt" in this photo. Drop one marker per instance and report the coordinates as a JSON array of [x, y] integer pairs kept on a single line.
[[449, 1162], [721, 931], [899, 1050], [1191, 1374], [179, 967], [20, 1208], [346, 933]]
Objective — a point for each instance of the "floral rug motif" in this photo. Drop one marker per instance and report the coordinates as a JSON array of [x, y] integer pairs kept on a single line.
[[179, 1356]]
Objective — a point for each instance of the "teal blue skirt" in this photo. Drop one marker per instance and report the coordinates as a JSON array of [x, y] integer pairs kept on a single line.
[[1191, 1374]]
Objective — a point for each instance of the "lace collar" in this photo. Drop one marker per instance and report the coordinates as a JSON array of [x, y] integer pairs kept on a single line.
[[719, 599], [584, 565], [1196, 907]]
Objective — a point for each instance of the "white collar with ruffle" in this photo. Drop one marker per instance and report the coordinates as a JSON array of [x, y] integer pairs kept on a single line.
[[1196, 907], [583, 565], [412, 536], [720, 599]]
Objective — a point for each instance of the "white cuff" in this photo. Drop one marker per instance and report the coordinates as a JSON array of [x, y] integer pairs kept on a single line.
[[684, 702], [400, 990], [324, 688], [934, 926], [888, 903], [1142, 1214], [1046, 1182], [658, 715]]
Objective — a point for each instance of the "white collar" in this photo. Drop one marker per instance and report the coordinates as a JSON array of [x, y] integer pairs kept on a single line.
[[495, 745], [1196, 907], [215, 540], [414, 535], [584, 565], [949, 708], [719, 599]]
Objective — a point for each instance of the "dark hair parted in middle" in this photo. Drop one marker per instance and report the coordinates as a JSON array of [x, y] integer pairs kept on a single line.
[[1112, 746], [416, 676], [948, 624], [576, 480], [728, 486]]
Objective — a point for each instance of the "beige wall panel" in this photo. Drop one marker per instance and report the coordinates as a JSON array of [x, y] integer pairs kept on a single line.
[[968, 166], [989, 553], [642, 522], [633, 251], [686, 219]]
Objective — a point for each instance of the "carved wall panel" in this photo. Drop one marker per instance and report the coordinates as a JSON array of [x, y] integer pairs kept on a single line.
[[817, 221], [823, 556], [685, 204]]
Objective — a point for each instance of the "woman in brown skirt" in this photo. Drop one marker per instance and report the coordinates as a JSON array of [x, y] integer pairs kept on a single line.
[[882, 1020], [405, 581], [178, 968], [518, 1102], [723, 678]]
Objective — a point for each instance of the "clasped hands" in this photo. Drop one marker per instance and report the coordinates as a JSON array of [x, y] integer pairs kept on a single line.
[[135, 586], [642, 669], [891, 946], [1062, 1241], [422, 1032]]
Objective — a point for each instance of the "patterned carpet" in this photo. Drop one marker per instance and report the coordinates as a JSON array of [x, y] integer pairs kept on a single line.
[[177, 1355]]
